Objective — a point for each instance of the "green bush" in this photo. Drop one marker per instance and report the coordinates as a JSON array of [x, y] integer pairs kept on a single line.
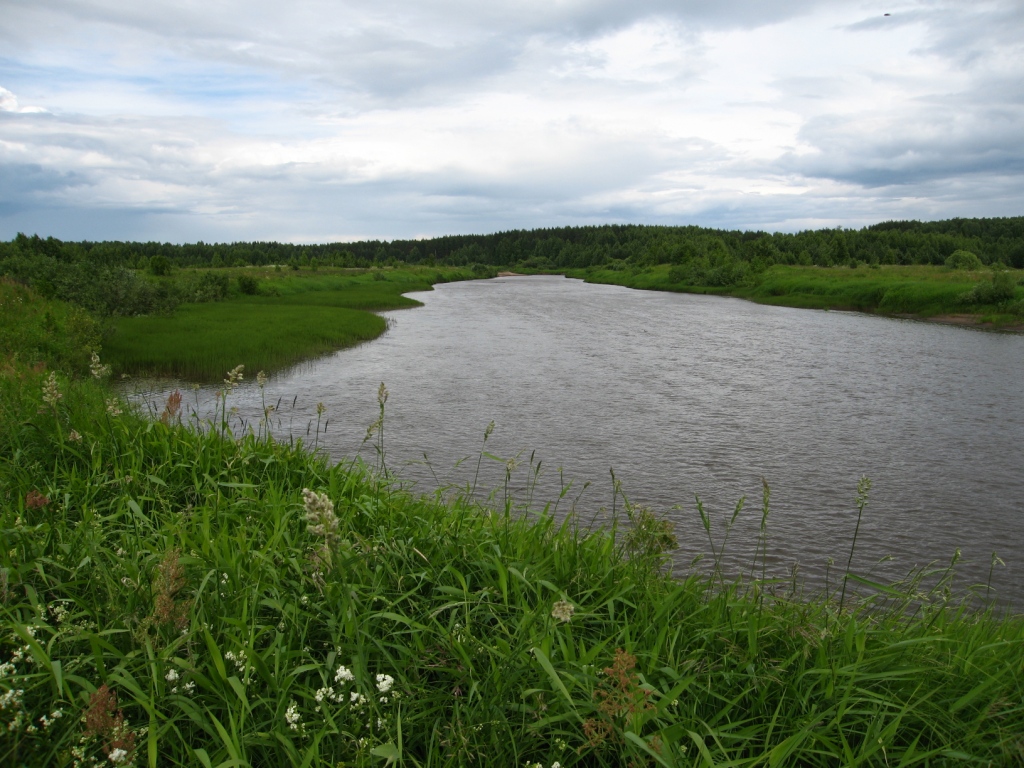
[[963, 260], [159, 265], [1000, 288], [248, 285]]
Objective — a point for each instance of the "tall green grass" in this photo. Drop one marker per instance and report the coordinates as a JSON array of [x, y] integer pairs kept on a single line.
[[240, 620], [195, 341], [292, 318], [919, 291], [923, 291], [38, 332]]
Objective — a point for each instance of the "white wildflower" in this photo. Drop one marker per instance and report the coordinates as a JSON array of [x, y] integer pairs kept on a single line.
[[292, 716], [238, 659], [113, 407], [344, 675], [47, 721], [261, 379], [74, 437], [563, 610], [172, 676], [118, 756], [384, 683], [59, 613], [11, 699]]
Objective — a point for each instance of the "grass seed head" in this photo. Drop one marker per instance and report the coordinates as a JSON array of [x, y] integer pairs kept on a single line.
[[172, 409], [51, 390], [563, 611], [235, 375], [35, 500], [320, 517], [97, 369]]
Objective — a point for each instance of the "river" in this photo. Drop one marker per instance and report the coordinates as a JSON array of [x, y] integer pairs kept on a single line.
[[685, 395]]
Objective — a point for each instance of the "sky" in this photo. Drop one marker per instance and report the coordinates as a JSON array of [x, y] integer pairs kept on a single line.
[[327, 120]]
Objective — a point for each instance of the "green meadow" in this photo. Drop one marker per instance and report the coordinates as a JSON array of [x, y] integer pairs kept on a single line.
[[921, 291], [182, 596], [288, 318]]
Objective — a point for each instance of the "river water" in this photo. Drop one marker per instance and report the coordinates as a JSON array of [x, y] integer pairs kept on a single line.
[[685, 395]]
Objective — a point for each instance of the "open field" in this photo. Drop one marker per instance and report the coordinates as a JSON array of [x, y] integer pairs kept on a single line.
[[290, 318]]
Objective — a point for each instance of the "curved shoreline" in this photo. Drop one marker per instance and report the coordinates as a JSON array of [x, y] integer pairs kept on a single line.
[[809, 299]]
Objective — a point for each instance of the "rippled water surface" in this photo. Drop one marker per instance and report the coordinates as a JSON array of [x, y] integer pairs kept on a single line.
[[686, 395]]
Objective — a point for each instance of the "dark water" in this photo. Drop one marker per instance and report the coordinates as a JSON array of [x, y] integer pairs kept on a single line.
[[686, 395]]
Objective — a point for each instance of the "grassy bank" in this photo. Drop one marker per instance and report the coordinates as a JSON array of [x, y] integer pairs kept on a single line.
[[170, 596], [918, 291], [287, 318]]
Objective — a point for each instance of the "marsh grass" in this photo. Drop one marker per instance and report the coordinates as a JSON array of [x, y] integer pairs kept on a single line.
[[236, 601], [194, 342], [292, 319], [919, 291]]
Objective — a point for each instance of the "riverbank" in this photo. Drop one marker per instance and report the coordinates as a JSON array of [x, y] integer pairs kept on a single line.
[[935, 294], [286, 318], [171, 594]]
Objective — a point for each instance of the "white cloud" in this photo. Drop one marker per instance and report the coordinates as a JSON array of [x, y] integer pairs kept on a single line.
[[315, 120], [9, 103]]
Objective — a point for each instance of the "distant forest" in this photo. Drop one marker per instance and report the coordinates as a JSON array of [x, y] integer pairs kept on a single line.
[[891, 242], [101, 275]]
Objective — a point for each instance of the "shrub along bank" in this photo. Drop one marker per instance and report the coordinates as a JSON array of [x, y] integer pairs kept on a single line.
[[181, 596]]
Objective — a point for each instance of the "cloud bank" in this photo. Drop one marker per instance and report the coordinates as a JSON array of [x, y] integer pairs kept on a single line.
[[321, 120]]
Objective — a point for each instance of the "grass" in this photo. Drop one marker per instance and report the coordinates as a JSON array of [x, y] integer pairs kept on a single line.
[[36, 332], [292, 318], [918, 291]]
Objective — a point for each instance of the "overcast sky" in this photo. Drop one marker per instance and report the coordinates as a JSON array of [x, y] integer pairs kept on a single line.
[[326, 120]]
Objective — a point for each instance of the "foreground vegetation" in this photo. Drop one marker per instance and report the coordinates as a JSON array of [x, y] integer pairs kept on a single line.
[[181, 596]]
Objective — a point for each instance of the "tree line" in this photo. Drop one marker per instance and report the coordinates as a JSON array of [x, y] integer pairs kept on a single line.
[[104, 276]]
